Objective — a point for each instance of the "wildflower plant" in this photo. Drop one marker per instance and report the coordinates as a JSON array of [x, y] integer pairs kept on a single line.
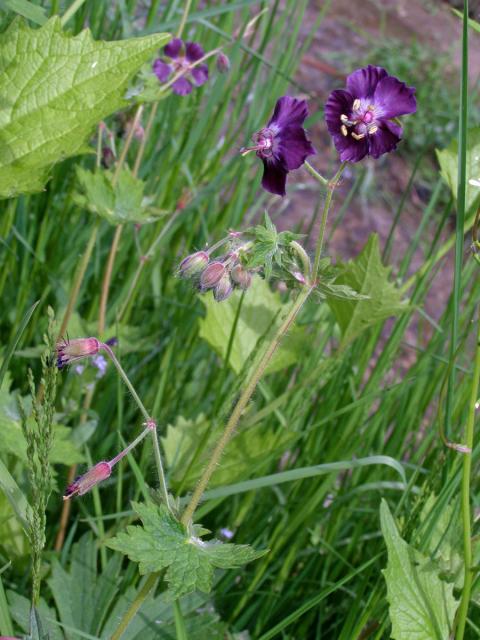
[[164, 537]]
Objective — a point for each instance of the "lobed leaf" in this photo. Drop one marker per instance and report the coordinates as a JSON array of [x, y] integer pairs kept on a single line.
[[164, 543]]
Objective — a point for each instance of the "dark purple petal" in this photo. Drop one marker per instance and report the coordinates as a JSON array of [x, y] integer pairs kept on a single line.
[[289, 111], [274, 176], [200, 74], [194, 51], [161, 70], [172, 49], [393, 98], [182, 87], [385, 139], [339, 102], [350, 150], [363, 82], [294, 146]]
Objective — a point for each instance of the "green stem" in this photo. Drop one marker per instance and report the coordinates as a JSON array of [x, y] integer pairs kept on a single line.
[[318, 176], [148, 420], [183, 21], [326, 208], [241, 405], [466, 515], [135, 606], [71, 11], [82, 267]]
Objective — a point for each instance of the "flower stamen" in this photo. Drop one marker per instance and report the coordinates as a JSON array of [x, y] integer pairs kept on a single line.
[[358, 136], [344, 130]]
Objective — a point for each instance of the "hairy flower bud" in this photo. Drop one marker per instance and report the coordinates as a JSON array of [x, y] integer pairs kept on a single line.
[[223, 63], [212, 275], [223, 289], [241, 277], [107, 157], [101, 471], [193, 264], [69, 351]]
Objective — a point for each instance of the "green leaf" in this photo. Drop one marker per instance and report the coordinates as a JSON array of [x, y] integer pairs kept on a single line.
[[261, 310], [86, 82], [119, 203], [14, 495], [164, 543], [448, 160], [422, 606], [13, 440], [367, 276]]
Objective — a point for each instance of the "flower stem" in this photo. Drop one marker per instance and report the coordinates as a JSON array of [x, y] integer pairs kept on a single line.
[[148, 420], [466, 515], [118, 231], [241, 405], [326, 207], [82, 267], [318, 176]]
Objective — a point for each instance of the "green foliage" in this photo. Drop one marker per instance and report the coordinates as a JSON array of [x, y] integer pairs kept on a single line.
[[448, 159], [366, 275], [39, 127], [164, 543], [118, 201], [261, 312], [422, 606], [246, 451]]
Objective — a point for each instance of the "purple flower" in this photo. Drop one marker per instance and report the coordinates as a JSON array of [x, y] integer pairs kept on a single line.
[[361, 117], [283, 144], [181, 58], [69, 351]]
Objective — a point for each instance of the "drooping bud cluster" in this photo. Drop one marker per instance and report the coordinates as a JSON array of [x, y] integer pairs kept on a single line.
[[221, 275]]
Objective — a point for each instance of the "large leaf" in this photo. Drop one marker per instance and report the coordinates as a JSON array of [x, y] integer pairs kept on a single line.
[[448, 160], [367, 276], [164, 543], [261, 310], [422, 606], [54, 89]]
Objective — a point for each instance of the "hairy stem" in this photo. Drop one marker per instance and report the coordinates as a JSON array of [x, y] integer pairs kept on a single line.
[[148, 421], [135, 606], [241, 405], [183, 21], [326, 208], [466, 513]]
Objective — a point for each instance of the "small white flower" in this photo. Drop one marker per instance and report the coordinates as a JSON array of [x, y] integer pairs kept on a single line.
[[474, 182]]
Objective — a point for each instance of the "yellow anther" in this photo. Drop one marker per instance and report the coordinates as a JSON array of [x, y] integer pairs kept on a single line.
[[344, 131], [358, 136], [344, 118], [371, 107], [373, 129], [356, 104]]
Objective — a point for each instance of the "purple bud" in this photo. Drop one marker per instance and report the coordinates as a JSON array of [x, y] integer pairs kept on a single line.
[[212, 275], [193, 265], [107, 157], [223, 63], [101, 471], [69, 351], [223, 289], [241, 277]]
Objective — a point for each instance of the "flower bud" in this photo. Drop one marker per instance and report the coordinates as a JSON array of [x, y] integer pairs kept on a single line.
[[82, 484], [70, 351], [193, 265], [212, 275], [107, 157], [223, 289], [241, 277], [223, 63]]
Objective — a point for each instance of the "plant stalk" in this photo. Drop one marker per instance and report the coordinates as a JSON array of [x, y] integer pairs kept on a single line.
[[466, 512]]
